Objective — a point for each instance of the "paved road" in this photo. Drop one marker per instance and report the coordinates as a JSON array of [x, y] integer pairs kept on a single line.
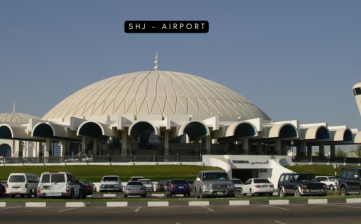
[[288, 214]]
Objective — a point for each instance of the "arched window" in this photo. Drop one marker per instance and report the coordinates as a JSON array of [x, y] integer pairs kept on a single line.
[[5, 150]]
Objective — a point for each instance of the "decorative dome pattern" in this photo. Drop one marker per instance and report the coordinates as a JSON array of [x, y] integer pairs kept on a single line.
[[18, 118], [156, 92]]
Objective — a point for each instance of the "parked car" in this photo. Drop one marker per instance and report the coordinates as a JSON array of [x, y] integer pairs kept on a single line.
[[111, 183], [258, 186], [166, 185], [135, 178], [299, 184], [330, 181], [83, 158], [86, 187], [23, 184], [160, 185], [237, 183], [2, 189], [213, 183], [349, 181], [147, 183], [178, 187], [58, 184], [135, 188]]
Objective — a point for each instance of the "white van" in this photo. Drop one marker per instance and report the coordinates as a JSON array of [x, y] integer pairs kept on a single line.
[[58, 184], [22, 184]]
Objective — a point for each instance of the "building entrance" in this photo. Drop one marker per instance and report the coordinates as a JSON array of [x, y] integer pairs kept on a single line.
[[244, 174]]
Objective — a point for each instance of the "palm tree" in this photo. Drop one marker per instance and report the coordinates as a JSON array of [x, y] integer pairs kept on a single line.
[[341, 153]]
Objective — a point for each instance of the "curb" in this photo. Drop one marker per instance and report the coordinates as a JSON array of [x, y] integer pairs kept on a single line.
[[183, 203]]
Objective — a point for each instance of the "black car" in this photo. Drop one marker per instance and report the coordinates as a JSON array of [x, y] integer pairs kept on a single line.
[[2, 188], [349, 181], [160, 185], [299, 184], [86, 188]]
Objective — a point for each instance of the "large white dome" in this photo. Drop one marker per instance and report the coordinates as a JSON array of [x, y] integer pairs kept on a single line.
[[156, 92]]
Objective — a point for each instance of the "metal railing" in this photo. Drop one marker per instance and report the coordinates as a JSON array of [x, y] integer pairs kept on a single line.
[[325, 159], [103, 159]]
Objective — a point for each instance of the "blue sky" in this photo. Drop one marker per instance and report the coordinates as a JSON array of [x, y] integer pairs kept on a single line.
[[293, 59]]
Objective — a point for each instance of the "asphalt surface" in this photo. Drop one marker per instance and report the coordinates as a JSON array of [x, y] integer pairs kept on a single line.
[[287, 214]]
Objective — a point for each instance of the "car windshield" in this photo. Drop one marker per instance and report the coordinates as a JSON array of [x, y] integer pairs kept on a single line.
[[332, 178], [145, 181], [304, 177], [215, 176], [135, 183], [190, 181], [105, 179], [237, 181], [259, 181], [17, 179], [179, 182]]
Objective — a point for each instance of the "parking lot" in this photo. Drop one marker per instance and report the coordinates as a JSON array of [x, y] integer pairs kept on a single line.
[[279, 214]]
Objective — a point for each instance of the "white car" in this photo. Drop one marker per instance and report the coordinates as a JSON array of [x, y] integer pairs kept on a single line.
[[111, 183], [84, 158], [147, 183], [257, 186], [58, 184], [330, 181]]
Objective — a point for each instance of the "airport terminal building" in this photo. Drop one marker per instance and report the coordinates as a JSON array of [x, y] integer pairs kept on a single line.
[[167, 113]]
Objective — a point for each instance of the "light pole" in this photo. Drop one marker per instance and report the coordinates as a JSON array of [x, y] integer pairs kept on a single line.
[[328, 158], [293, 156], [335, 167], [108, 142], [200, 149]]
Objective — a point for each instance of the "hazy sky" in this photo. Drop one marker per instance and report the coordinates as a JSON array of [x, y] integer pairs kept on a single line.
[[293, 59]]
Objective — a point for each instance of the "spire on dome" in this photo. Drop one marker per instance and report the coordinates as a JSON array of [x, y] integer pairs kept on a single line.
[[14, 108], [156, 67]]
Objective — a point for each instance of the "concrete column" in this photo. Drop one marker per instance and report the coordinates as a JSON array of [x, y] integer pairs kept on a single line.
[[166, 143], [278, 147], [321, 149], [207, 144], [83, 145], [332, 150], [48, 148], [259, 148], [129, 143], [309, 150], [124, 143], [302, 149], [245, 146], [95, 146]]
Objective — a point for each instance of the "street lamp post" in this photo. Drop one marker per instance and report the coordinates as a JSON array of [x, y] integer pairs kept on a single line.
[[335, 165], [293, 155], [200, 149], [108, 142], [328, 159]]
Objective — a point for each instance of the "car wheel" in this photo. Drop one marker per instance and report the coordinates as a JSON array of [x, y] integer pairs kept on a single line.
[[81, 195], [73, 195], [189, 194], [343, 191], [125, 195], [170, 195], [12, 195], [184, 195], [35, 195], [22, 195], [297, 193], [282, 193], [332, 188], [270, 194], [144, 195]]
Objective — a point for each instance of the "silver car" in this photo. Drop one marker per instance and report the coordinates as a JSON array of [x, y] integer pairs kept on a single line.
[[213, 183], [111, 183], [135, 188]]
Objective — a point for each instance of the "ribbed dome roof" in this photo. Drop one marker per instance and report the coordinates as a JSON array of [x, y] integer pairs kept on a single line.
[[16, 118], [156, 92]]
